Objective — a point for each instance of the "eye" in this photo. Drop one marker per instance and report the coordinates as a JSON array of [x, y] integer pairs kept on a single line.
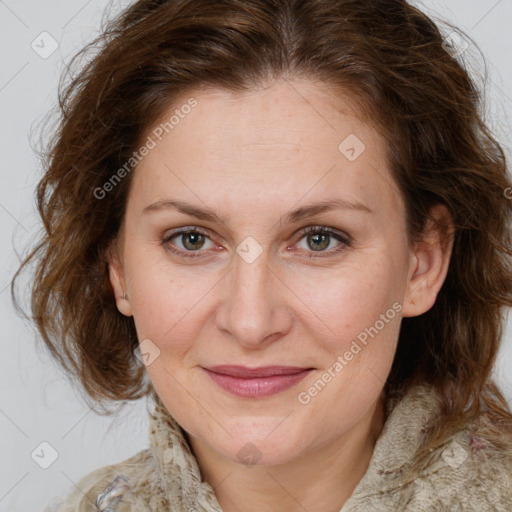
[[191, 240], [317, 238], [320, 238]]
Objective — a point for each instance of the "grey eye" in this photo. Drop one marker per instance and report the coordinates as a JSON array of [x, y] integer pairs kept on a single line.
[[318, 241]]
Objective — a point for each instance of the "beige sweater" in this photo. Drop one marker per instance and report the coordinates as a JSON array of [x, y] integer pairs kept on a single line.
[[462, 475]]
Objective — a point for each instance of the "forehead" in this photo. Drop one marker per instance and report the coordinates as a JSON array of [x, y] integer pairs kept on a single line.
[[275, 145], [284, 112]]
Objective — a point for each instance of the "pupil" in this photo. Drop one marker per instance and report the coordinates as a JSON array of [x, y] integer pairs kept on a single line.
[[196, 238], [319, 237]]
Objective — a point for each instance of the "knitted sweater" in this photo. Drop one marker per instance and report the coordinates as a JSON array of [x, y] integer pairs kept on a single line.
[[465, 474]]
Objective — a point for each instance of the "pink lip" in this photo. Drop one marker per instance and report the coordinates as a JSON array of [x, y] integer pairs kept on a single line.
[[256, 382]]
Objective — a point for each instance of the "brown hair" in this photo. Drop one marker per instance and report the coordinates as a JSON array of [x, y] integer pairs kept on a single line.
[[392, 59]]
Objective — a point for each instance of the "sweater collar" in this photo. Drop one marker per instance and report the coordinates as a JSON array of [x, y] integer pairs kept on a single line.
[[180, 477], [178, 471], [405, 429]]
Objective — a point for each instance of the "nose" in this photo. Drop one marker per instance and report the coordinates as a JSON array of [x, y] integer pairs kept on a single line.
[[254, 308]]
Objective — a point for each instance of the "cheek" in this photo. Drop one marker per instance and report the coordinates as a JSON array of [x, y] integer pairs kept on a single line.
[[166, 302], [343, 303]]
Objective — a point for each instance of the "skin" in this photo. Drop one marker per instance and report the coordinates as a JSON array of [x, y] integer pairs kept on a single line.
[[252, 157]]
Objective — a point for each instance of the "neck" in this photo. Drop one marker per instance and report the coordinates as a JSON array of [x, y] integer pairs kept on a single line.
[[318, 481]]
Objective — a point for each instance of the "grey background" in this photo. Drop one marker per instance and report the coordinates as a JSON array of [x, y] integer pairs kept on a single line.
[[37, 404]]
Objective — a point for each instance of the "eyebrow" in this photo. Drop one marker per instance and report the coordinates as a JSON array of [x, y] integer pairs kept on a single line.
[[208, 214]]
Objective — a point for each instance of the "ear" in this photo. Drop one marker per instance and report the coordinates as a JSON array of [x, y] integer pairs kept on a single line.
[[430, 260], [116, 276]]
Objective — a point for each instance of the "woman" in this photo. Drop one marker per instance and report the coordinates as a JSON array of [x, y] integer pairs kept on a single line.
[[285, 222]]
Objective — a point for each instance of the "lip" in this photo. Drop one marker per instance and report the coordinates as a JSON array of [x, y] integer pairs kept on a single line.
[[256, 382]]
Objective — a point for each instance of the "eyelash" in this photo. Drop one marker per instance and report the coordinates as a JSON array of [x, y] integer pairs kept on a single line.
[[319, 230]]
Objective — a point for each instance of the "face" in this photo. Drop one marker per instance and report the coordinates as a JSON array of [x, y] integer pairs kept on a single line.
[[227, 259]]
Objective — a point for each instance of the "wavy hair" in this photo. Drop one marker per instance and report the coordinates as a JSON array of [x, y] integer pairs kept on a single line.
[[394, 61]]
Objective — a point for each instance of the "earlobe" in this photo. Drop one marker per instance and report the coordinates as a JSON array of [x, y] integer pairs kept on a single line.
[[117, 280], [429, 263]]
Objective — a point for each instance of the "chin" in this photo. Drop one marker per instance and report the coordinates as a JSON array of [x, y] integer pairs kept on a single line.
[[270, 448]]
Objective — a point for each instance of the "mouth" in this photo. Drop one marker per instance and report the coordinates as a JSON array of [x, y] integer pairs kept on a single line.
[[256, 382]]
